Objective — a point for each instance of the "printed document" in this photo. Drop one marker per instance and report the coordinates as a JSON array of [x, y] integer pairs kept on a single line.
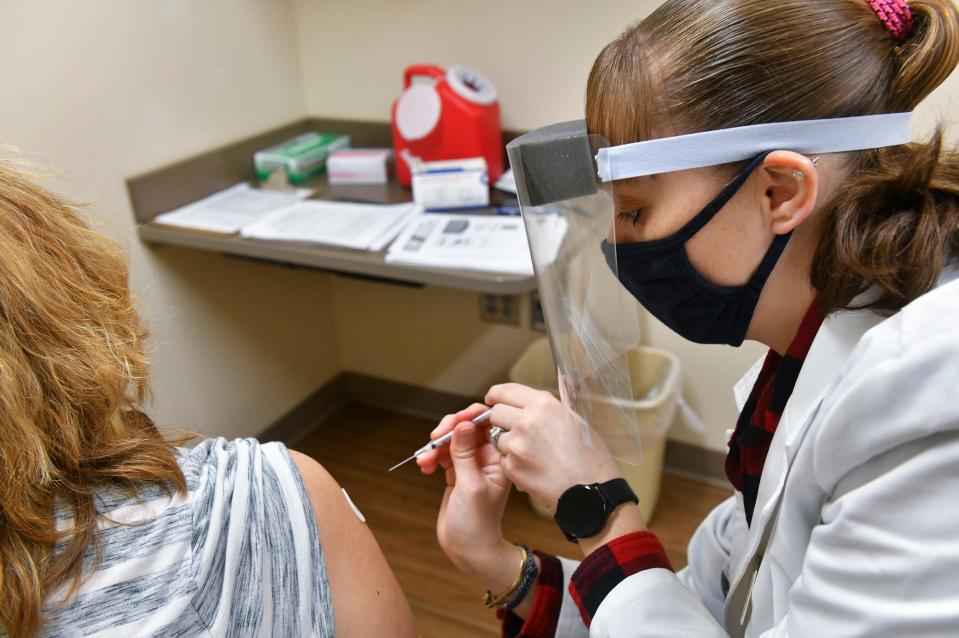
[[229, 210], [358, 226], [491, 243]]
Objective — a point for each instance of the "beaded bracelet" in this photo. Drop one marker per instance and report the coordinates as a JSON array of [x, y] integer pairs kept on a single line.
[[490, 601], [513, 596], [530, 573]]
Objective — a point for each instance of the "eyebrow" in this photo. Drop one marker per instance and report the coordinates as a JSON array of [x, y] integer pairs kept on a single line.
[[632, 188], [636, 182]]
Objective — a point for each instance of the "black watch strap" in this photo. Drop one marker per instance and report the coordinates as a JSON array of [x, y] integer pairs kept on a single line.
[[582, 510], [617, 492]]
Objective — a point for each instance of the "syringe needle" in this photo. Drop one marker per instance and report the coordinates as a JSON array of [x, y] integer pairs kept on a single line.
[[402, 463]]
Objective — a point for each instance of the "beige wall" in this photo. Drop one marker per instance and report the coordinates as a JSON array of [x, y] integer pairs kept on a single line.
[[538, 54], [104, 90], [430, 337]]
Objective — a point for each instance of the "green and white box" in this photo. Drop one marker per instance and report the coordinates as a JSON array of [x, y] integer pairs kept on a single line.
[[302, 157]]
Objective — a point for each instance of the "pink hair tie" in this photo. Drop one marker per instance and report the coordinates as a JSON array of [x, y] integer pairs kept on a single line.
[[896, 16]]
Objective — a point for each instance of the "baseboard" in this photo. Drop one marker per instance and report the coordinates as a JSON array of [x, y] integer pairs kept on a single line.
[[403, 397], [696, 462], [309, 413], [349, 387]]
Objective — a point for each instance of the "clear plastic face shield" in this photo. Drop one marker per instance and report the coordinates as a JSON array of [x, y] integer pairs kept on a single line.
[[564, 180], [592, 323]]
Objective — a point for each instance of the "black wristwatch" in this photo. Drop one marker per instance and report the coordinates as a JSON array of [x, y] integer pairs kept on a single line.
[[583, 510]]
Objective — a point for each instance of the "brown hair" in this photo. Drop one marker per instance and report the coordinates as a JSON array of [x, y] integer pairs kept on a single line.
[[696, 65], [72, 375]]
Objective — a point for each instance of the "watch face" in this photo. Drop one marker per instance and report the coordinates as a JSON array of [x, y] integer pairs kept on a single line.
[[581, 511]]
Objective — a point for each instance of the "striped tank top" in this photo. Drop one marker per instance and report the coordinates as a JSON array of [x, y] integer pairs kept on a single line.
[[238, 555]]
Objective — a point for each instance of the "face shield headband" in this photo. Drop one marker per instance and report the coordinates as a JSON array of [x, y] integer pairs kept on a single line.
[[714, 148]]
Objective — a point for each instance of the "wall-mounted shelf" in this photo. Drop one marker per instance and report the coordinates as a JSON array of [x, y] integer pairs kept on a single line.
[[173, 186]]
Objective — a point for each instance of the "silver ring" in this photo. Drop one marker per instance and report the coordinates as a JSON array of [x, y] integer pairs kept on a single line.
[[494, 435]]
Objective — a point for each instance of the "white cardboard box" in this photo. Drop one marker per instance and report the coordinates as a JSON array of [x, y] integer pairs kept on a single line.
[[359, 166], [452, 184]]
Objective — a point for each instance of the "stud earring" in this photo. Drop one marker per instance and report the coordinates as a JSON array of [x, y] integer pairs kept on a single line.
[[800, 175]]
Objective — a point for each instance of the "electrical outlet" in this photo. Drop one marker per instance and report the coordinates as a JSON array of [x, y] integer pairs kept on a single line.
[[500, 309], [537, 320]]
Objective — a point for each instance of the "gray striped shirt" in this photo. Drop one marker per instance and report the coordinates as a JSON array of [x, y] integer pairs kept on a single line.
[[239, 555]]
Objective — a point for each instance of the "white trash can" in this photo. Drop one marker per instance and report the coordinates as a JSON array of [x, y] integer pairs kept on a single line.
[[655, 375]]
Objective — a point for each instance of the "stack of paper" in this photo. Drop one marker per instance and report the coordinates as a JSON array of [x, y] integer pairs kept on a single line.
[[491, 243], [229, 210], [359, 226]]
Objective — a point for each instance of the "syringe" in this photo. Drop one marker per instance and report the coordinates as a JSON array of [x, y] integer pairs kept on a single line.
[[432, 445]]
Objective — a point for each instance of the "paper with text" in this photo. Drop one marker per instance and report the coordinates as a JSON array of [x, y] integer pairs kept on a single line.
[[358, 226], [229, 210]]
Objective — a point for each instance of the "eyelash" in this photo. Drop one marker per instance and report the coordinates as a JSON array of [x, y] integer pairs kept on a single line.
[[632, 216]]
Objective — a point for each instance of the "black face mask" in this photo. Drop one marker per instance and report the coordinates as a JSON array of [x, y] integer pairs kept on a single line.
[[659, 274]]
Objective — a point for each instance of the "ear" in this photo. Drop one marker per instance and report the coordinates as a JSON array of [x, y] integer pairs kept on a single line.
[[790, 187]]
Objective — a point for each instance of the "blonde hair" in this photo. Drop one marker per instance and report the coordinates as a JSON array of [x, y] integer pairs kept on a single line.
[[696, 65], [72, 377]]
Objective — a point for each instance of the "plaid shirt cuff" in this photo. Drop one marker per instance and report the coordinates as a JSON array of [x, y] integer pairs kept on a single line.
[[610, 565], [547, 604]]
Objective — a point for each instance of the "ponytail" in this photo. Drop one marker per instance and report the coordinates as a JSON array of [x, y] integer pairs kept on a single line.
[[927, 58], [896, 224], [893, 229]]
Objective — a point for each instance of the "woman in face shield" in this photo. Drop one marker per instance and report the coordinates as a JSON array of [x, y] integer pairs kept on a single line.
[[845, 457]]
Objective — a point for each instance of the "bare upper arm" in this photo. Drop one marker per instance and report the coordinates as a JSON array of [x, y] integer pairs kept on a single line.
[[367, 600]]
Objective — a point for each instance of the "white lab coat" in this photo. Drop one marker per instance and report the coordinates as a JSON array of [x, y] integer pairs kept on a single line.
[[867, 542]]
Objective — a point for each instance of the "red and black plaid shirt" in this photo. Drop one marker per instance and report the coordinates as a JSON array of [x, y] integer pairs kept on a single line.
[[608, 566], [760, 416]]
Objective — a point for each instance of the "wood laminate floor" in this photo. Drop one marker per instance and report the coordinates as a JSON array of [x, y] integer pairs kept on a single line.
[[359, 443]]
